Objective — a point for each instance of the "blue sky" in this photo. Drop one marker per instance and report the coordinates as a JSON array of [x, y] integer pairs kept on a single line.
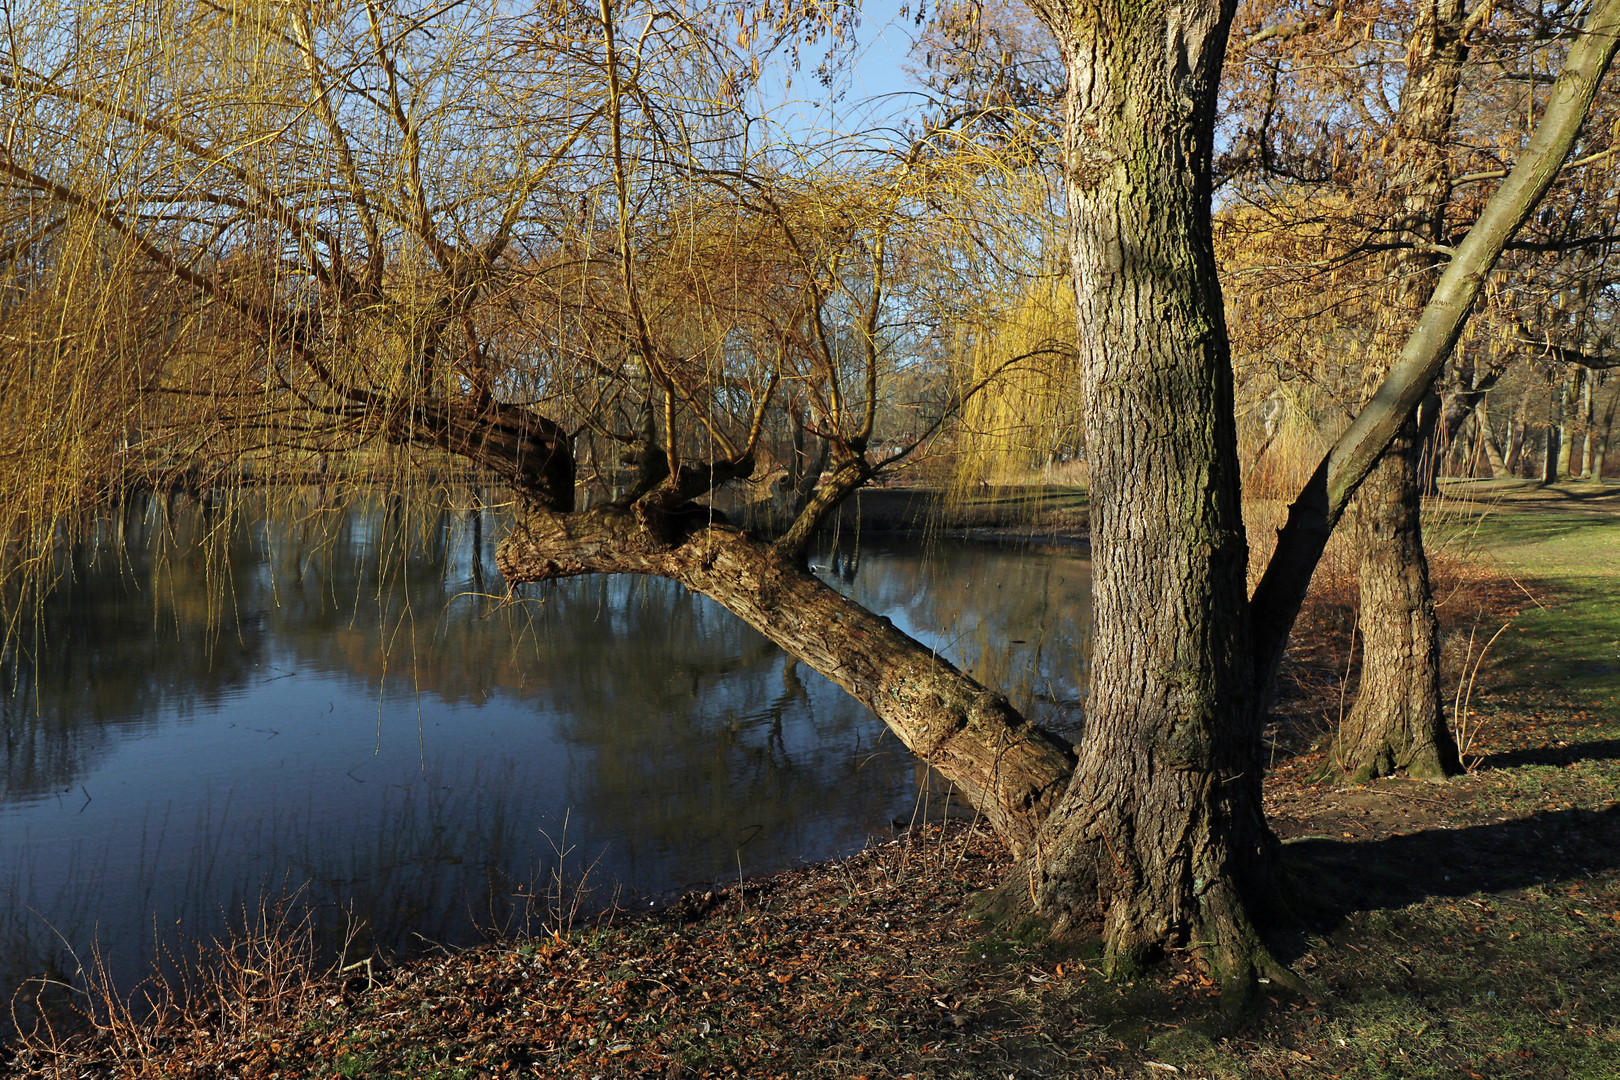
[[871, 92]]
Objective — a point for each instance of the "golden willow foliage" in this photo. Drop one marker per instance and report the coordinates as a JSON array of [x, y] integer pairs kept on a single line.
[[1027, 415], [265, 243]]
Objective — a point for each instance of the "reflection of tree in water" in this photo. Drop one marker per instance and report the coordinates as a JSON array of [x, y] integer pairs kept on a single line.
[[688, 732], [137, 628], [1014, 619], [703, 754], [692, 736]]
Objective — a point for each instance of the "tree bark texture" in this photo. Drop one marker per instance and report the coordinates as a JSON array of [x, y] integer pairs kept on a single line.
[[1398, 720], [1009, 769], [1397, 723], [1160, 836]]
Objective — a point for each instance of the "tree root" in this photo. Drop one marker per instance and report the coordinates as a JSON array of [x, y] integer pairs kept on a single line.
[[1244, 963]]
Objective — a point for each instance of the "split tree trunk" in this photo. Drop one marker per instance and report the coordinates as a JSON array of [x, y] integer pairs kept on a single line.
[[1398, 721], [1519, 433], [1459, 408], [1552, 434], [1487, 437]]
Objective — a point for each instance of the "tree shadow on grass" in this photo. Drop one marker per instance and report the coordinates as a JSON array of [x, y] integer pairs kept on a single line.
[[1598, 750], [1330, 880]]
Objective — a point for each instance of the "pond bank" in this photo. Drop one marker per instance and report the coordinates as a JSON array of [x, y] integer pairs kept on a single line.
[[1469, 929]]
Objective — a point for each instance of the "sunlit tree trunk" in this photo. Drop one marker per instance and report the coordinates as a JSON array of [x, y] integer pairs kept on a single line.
[[1584, 412], [1552, 454], [1398, 722], [1588, 415], [1567, 413], [1160, 838]]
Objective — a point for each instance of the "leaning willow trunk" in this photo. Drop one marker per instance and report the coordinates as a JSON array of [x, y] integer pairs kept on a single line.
[[1012, 771]]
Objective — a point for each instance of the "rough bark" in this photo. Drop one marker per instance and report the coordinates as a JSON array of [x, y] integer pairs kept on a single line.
[[1010, 770], [1397, 723], [1160, 837]]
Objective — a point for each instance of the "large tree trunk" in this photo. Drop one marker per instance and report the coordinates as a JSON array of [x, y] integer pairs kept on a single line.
[[1398, 721], [1010, 770], [1160, 837], [1159, 833]]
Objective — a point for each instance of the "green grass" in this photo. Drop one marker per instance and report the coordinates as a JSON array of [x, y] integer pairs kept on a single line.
[[1562, 546]]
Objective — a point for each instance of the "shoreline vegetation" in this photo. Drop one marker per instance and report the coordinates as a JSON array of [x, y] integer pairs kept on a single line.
[[1468, 929]]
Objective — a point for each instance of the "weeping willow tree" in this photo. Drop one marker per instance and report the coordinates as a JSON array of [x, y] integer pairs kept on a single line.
[[258, 243], [1027, 417]]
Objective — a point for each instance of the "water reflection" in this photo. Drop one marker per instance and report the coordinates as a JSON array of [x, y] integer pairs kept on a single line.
[[214, 706]]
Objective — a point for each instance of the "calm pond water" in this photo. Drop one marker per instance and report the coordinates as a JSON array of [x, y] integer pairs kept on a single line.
[[208, 712]]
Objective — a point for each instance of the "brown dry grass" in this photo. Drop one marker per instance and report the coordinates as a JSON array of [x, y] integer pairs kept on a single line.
[[263, 977]]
